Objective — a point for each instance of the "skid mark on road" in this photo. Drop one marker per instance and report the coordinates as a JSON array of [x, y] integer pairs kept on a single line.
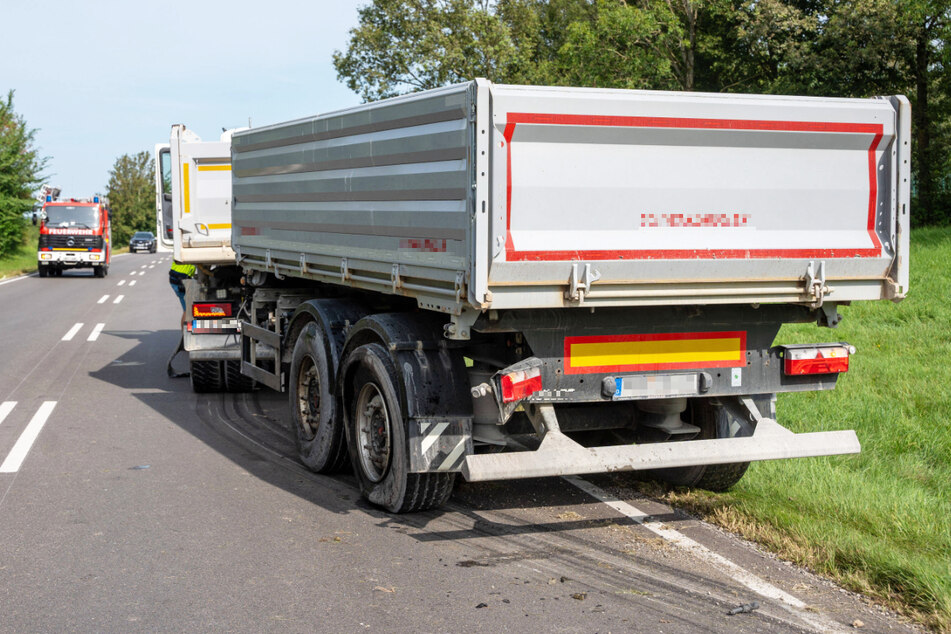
[[721, 563], [25, 442], [72, 332]]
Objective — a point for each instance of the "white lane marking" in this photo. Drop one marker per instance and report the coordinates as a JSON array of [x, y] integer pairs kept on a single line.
[[27, 438], [154, 261], [102, 300], [721, 563], [118, 299], [72, 332], [5, 408], [119, 255], [121, 282], [132, 283], [144, 265], [17, 279], [95, 332], [151, 266]]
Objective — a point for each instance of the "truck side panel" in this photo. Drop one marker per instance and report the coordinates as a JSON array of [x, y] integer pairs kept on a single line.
[[374, 197]]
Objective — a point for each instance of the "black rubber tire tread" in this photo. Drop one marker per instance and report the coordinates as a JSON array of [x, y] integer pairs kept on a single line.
[[718, 478], [98, 271], [327, 451], [722, 477], [234, 380], [399, 491], [43, 271], [206, 376]]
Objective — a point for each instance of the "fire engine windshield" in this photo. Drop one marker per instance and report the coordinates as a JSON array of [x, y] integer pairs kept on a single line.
[[84, 217]]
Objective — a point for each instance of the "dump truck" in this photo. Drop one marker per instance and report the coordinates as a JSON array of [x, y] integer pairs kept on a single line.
[[492, 282], [193, 220]]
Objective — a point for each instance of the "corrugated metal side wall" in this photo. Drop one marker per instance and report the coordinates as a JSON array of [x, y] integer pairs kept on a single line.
[[374, 196]]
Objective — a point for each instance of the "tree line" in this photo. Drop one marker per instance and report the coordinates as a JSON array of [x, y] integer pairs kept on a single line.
[[841, 48]]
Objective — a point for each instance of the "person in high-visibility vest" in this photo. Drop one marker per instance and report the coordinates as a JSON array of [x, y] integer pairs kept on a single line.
[[177, 275]]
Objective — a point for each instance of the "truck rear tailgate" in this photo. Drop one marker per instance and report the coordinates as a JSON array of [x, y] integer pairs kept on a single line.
[[630, 197]]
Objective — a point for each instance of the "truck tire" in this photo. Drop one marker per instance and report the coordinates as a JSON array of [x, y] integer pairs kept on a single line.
[[714, 421], [206, 376], [43, 271], [234, 380], [99, 271], [377, 437], [318, 429]]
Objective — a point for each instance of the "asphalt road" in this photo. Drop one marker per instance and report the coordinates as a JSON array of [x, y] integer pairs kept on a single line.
[[130, 504]]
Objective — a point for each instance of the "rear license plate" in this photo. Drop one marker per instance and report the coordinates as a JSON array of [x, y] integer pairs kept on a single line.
[[656, 386]]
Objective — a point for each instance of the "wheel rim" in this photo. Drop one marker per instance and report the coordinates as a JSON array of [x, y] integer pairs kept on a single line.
[[308, 399], [373, 432]]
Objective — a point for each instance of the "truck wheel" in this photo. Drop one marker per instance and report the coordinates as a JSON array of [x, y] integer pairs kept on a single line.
[[714, 421], [318, 430], [234, 380], [43, 271], [377, 438], [99, 271], [206, 376]]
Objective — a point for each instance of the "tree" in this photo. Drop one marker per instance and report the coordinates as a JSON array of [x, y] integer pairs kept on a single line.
[[20, 167], [131, 192]]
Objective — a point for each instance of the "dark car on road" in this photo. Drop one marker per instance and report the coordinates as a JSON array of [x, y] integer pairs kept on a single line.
[[142, 241]]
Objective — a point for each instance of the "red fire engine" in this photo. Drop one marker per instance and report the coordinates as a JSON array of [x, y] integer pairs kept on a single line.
[[74, 234]]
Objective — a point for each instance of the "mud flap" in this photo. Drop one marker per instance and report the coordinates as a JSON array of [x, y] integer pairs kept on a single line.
[[439, 444]]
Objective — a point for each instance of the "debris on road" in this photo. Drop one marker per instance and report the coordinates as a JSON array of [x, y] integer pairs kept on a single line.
[[746, 607]]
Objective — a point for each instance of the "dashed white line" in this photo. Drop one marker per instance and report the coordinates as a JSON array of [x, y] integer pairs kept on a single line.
[[5, 408], [121, 282], [72, 332], [132, 283], [25, 442], [95, 332], [721, 563], [118, 299], [144, 265], [151, 266], [102, 300]]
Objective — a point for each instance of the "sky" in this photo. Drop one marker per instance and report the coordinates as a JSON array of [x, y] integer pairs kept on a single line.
[[103, 78]]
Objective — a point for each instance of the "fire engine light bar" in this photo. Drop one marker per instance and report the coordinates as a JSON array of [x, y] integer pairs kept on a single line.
[[816, 359], [215, 311], [520, 384]]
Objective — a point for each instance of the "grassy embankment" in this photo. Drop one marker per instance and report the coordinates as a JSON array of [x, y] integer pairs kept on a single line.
[[878, 522], [23, 260]]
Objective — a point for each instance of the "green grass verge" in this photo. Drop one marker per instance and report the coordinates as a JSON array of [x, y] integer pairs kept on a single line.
[[23, 260], [879, 522]]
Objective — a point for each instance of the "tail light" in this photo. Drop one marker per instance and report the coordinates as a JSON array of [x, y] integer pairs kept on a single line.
[[829, 358], [211, 311], [520, 384]]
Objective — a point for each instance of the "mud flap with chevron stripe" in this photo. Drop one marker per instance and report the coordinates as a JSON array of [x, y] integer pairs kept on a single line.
[[439, 444]]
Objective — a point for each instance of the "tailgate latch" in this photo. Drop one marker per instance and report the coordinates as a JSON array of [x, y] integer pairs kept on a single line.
[[579, 283]]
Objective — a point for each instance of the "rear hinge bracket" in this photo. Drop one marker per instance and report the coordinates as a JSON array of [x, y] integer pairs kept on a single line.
[[579, 282], [816, 288], [303, 265], [344, 270], [460, 285]]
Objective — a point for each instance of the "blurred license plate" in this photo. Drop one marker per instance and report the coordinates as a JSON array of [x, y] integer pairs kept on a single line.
[[656, 386]]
